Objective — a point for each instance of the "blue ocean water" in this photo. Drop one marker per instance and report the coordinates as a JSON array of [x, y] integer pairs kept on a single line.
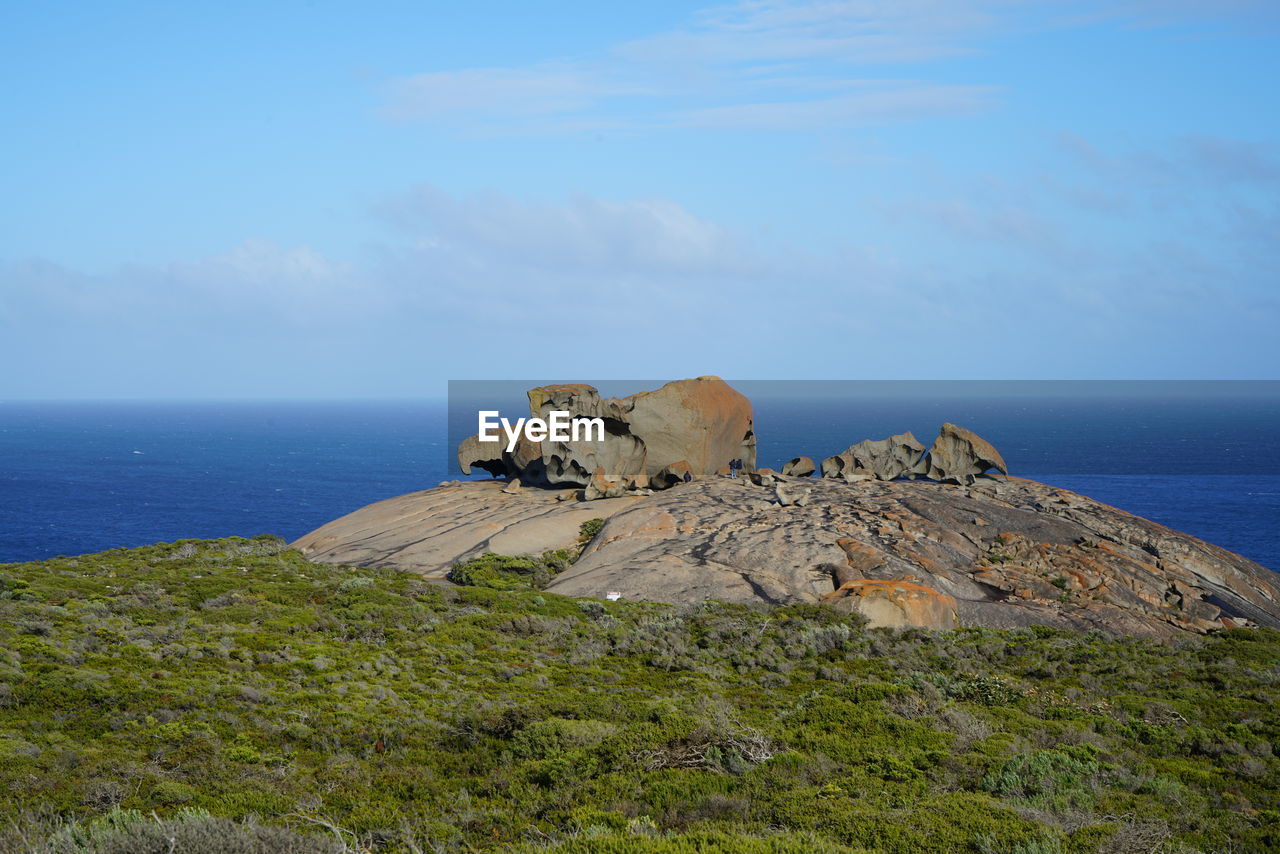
[[83, 477]]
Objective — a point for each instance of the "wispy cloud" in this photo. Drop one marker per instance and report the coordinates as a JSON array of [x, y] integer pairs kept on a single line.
[[976, 271], [882, 102], [766, 65], [581, 234], [472, 93], [758, 65], [854, 31]]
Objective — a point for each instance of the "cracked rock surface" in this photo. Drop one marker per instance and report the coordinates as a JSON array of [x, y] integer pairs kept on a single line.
[[1001, 553]]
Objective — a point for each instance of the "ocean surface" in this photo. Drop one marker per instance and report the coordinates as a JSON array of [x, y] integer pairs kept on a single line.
[[85, 477]]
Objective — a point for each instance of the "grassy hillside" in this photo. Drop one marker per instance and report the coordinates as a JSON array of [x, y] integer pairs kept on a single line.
[[155, 699]]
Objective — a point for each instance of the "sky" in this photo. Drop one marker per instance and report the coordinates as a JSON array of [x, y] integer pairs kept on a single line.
[[365, 200]]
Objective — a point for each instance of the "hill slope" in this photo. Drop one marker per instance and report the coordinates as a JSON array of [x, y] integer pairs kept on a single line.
[[371, 710], [996, 553]]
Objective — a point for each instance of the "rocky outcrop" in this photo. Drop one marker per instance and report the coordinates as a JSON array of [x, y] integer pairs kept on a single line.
[[671, 474], [695, 425], [1009, 552], [764, 477], [798, 467], [427, 532], [843, 467], [959, 455], [886, 459], [895, 604]]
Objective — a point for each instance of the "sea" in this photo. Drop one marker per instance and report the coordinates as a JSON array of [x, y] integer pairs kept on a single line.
[[79, 477]]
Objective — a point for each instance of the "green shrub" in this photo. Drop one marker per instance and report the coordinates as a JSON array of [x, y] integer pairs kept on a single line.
[[312, 707], [588, 530], [500, 572], [1058, 780]]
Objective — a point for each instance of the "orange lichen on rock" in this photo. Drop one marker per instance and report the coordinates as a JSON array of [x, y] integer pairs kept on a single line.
[[895, 604]]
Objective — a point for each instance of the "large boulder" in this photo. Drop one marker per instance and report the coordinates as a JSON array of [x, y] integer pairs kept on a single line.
[[886, 459], [695, 425], [488, 456], [895, 604], [703, 421], [835, 466], [671, 474], [844, 467], [798, 467], [959, 455]]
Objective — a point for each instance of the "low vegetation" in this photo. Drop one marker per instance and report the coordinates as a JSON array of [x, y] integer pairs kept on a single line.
[[525, 572], [155, 699]]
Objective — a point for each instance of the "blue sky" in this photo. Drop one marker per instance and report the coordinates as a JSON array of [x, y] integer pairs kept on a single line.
[[363, 200]]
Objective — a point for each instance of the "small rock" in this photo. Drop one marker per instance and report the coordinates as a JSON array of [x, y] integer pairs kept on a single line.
[[763, 477], [798, 467]]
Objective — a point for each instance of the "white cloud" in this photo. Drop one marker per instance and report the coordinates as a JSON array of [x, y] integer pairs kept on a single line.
[[766, 64], [546, 89], [582, 234], [760, 65], [886, 103], [852, 31], [491, 285]]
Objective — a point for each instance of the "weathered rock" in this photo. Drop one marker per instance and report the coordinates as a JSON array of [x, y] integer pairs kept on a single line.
[[513, 487], [1011, 552], [763, 477], [601, 485], [702, 423], [488, 456], [798, 467], [895, 604], [885, 459], [671, 474], [427, 532], [573, 463], [959, 455], [835, 466]]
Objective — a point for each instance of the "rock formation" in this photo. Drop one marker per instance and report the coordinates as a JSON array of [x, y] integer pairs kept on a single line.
[[886, 459], [1009, 552], [653, 437], [957, 456], [895, 604], [798, 467], [952, 549]]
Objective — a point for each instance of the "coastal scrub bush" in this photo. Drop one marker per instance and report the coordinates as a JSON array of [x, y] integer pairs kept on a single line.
[[230, 695], [185, 832], [500, 572], [588, 530]]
